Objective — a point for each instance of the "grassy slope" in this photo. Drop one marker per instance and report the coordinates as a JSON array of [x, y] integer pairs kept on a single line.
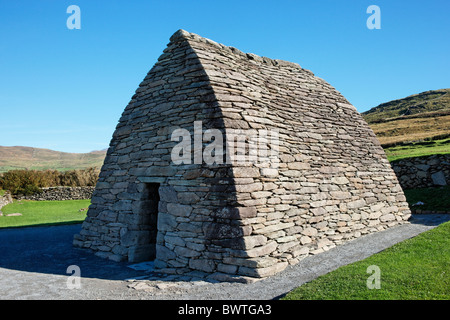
[[43, 213], [418, 268], [417, 104], [415, 129], [414, 126], [41, 159], [412, 118], [418, 149]]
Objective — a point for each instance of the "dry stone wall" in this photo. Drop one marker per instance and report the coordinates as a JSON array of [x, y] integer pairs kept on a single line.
[[60, 193], [330, 181], [423, 172]]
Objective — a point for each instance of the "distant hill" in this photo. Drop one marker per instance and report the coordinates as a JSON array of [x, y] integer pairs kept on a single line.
[[423, 116], [422, 104], [42, 159]]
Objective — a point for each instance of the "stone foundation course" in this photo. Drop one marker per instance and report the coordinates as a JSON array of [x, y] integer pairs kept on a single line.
[[322, 180]]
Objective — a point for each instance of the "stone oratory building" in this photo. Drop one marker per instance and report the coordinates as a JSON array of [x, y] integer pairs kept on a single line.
[[172, 189]]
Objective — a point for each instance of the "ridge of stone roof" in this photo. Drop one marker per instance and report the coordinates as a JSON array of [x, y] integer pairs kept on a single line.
[[185, 35]]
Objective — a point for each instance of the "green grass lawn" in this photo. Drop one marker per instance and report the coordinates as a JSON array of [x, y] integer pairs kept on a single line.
[[43, 213], [415, 269], [418, 149]]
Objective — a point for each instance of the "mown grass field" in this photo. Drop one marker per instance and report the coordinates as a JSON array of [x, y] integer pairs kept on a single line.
[[418, 149], [415, 269], [38, 213]]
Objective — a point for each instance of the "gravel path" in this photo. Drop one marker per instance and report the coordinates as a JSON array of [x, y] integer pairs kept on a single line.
[[34, 262]]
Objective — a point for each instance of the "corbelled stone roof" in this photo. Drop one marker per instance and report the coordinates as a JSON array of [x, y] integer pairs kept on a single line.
[[328, 182]]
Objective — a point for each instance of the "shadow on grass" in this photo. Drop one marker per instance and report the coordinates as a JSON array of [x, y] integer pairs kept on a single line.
[[49, 224], [429, 219]]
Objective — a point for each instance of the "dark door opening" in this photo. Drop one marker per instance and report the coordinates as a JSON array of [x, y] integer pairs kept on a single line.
[[147, 228], [151, 211]]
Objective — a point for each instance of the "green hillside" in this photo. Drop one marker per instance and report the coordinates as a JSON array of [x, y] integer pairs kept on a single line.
[[425, 104], [414, 126], [42, 159]]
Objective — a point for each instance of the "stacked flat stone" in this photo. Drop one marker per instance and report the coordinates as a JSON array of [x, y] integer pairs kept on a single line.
[[330, 183]]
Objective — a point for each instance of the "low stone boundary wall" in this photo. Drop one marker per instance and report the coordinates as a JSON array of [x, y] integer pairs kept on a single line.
[[423, 172], [61, 193]]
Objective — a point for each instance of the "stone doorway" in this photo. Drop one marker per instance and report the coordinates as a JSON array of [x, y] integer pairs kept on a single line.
[[145, 250]]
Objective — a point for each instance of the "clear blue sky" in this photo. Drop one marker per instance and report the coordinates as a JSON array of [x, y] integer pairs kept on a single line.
[[66, 89]]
